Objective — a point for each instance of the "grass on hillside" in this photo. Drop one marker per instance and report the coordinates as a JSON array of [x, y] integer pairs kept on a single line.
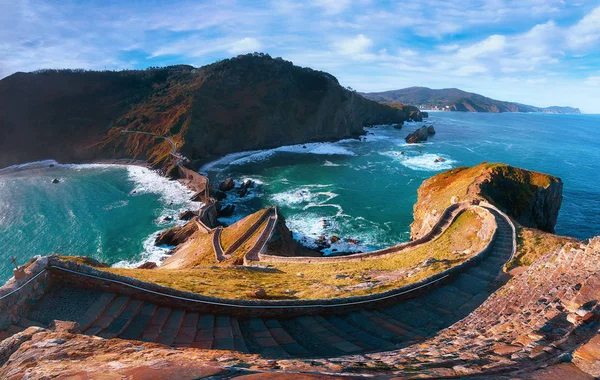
[[312, 281], [533, 244]]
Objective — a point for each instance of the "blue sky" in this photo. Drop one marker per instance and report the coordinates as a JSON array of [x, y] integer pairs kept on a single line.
[[530, 51]]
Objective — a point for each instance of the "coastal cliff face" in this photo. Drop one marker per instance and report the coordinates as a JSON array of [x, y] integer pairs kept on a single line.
[[532, 199], [248, 102]]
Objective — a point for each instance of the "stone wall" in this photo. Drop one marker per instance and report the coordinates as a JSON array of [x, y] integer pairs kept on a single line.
[[18, 296]]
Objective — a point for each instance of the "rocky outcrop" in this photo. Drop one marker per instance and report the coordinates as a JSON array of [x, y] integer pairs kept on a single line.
[[430, 130], [176, 235], [227, 184], [532, 199], [249, 102], [418, 136]]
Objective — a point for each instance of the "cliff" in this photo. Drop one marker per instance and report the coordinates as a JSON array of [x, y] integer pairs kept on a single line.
[[453, 99], [248, 102], [532, 199]]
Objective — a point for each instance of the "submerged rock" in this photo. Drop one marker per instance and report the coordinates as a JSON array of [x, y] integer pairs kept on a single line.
[[55, 180], [430, 130], [227, 184]]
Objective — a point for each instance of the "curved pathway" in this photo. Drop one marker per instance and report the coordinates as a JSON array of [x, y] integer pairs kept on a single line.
[[381, 328], [249, 232], [444, 221]]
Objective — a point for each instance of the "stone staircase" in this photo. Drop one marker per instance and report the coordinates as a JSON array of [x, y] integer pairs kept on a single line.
[[111, 315]]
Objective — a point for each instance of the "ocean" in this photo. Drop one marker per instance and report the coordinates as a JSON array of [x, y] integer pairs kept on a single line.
[[364, 190], [110, 212]]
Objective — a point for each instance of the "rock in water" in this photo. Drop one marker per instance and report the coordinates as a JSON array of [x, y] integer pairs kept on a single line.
[[430, 130], [417, 136], [227, 184], [226, 211], [220, 195], [55, 180]]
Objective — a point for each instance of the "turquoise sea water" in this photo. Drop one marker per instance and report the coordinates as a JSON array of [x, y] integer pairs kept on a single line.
[[108, 212], [366, 189]]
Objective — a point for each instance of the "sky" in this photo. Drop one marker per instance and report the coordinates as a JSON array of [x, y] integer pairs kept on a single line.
[[538, 52]]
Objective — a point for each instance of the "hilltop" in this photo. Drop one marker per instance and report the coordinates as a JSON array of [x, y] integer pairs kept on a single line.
[[453, 99], [248, 102]]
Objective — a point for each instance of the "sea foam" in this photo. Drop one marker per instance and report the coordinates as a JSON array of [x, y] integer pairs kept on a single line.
[[243, 158]]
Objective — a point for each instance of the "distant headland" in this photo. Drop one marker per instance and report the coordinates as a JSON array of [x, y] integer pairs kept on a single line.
[[453, 99]]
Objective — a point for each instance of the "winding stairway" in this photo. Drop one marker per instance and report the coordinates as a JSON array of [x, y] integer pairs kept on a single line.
[[111, 315]]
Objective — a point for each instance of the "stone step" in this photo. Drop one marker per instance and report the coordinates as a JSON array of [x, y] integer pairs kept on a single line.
[[259, 339], [362, 320], [481, 273], [447, 297], [239, 344], [411, 333], [108, 315], [366, 337], [136, 327], [171, 327], [223, 335], [329, 337], [298, 329], [469, 284], [345, 334], [95, 310], [120, 323], [402, 334], [155, 326], [187, 332], [285, 340], [204, 332]]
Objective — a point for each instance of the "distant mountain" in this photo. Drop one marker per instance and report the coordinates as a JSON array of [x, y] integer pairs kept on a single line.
[[453, 99]]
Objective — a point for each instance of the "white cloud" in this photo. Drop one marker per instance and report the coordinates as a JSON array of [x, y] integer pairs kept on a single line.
[[332, 7], [245, 45], [468, 70], [593, 80], [354, 46], [586, 33], [492, 44]]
